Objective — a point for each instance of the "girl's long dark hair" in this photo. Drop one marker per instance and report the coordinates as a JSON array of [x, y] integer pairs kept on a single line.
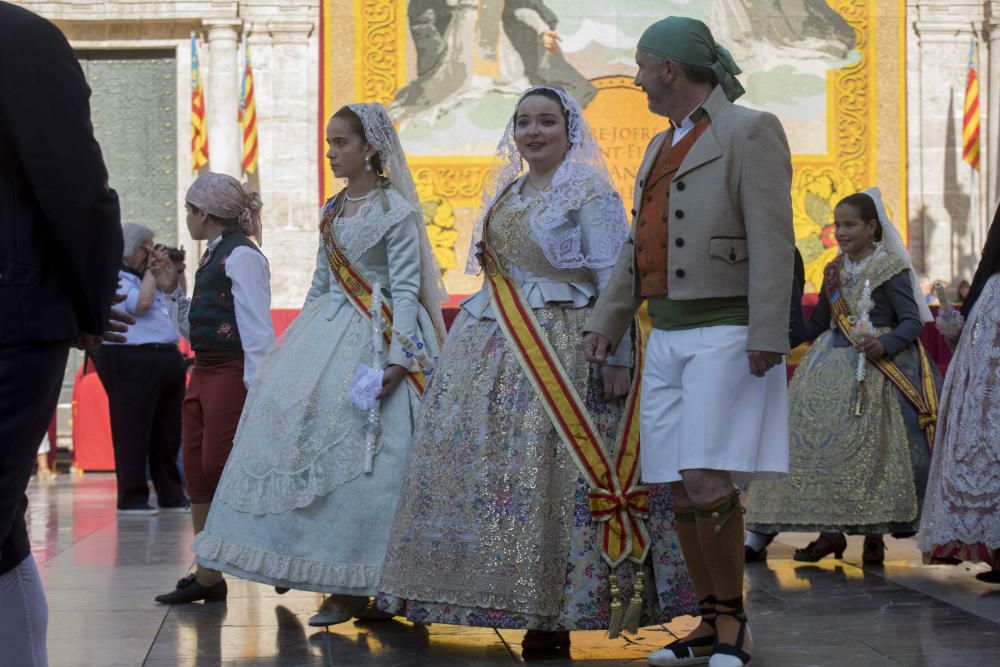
[[989, 263]]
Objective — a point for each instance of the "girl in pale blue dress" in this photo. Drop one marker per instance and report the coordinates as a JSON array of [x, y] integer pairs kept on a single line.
[[295, 507]]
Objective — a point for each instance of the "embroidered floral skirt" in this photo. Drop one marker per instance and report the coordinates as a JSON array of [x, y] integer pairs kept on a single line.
[[856, 474], [493, 526]]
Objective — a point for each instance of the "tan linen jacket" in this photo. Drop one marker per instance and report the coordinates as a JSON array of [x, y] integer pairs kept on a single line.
[[730, 226]]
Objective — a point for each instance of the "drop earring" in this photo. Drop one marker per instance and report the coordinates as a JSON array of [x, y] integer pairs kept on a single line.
[[368, 163]]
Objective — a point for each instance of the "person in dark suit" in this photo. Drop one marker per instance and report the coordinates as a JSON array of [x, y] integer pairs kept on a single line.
[[60, 248]]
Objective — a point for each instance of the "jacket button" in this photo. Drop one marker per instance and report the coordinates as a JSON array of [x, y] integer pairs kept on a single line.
[[642, 183], [732, 254], [633, 213], [679, 213], [679, 243], [679, 273], [680, 185]]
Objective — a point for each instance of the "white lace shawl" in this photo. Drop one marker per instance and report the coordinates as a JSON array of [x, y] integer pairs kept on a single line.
[[582, 167], [892, 241], [381, 134]]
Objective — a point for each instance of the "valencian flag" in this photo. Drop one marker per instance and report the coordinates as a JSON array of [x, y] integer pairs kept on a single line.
[[199, 130], [248, 114], [970, 121]]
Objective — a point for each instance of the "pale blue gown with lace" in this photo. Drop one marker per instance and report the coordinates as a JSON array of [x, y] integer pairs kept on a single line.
[[294, 508]]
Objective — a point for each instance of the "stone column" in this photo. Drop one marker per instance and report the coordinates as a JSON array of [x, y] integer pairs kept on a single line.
[[285, 57], [989, 58], [940, 183], [223, 97]]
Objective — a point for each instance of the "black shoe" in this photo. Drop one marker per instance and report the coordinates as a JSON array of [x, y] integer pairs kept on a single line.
[[822, 547], [281, 590], [189, 590], [751, 555], [873, 551], [991, 577]]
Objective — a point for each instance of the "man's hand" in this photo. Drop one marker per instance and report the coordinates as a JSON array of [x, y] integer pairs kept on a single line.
[[117, 324], [762, 362], [871, 346], [391, 378], [163, 269], [616, 382], [550, 40], [595, 347]]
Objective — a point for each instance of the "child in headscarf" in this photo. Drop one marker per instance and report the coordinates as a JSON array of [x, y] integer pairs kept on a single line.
[[228, 322]]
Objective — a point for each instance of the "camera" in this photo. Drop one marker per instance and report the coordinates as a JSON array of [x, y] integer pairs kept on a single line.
[[175, 254]]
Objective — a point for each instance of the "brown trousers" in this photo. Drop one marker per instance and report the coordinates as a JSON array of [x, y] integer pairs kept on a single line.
[[212, 408]]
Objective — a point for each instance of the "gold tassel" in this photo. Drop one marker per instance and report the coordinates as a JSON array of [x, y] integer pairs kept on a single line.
[[615, 622], [630, 622]]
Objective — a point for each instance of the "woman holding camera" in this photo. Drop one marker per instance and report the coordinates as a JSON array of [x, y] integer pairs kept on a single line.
[[144, 380]]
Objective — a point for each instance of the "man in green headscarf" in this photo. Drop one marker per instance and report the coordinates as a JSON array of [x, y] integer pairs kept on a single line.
[[711, 252]]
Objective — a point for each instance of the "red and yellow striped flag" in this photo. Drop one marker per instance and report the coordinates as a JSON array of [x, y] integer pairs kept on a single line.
[[199, 130], [970, 120], [248, 114]]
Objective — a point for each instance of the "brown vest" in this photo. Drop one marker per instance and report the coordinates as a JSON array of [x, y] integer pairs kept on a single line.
[[652, 227]]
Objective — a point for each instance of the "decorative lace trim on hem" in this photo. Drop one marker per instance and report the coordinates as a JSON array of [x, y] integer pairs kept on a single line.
[[286, 568]]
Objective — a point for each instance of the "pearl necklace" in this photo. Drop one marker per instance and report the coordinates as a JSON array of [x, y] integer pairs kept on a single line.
[[356, 199]]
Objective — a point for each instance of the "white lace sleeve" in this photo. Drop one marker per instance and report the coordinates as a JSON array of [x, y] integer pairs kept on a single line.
[[594, 221]]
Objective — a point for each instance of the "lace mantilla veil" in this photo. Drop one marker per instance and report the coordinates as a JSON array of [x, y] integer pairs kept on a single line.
[[582, 169], [892, 242], [382, 136]]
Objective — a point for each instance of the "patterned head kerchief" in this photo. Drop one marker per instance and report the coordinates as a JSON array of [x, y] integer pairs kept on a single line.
[[223, 197]]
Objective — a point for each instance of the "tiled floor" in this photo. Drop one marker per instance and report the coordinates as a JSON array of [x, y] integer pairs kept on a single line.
[[101, 574]]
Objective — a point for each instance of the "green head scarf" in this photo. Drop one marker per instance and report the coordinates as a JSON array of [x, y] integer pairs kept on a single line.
[[689, 41]]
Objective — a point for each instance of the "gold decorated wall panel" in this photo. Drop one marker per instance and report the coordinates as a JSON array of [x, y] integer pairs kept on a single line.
[[450, 71]]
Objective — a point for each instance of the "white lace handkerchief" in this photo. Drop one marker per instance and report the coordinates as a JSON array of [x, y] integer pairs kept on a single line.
[[365, 386]]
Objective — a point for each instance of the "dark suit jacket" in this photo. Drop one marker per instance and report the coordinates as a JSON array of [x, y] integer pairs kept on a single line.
[[60, 232]]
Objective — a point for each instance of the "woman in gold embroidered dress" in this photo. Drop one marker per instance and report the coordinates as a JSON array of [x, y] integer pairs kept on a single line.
[[854, 473], [493, 527]]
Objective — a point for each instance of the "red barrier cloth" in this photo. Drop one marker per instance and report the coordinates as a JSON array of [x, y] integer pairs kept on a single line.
[[92, 450]]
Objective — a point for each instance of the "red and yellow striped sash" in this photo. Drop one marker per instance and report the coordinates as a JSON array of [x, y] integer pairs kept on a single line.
[[617, 502], [359, 290]]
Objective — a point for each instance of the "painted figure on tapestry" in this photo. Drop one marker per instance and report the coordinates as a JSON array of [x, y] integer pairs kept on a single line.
[[452, 54]]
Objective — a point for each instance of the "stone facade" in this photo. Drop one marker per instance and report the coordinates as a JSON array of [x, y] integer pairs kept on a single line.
[[948, 211], [284, 48]]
